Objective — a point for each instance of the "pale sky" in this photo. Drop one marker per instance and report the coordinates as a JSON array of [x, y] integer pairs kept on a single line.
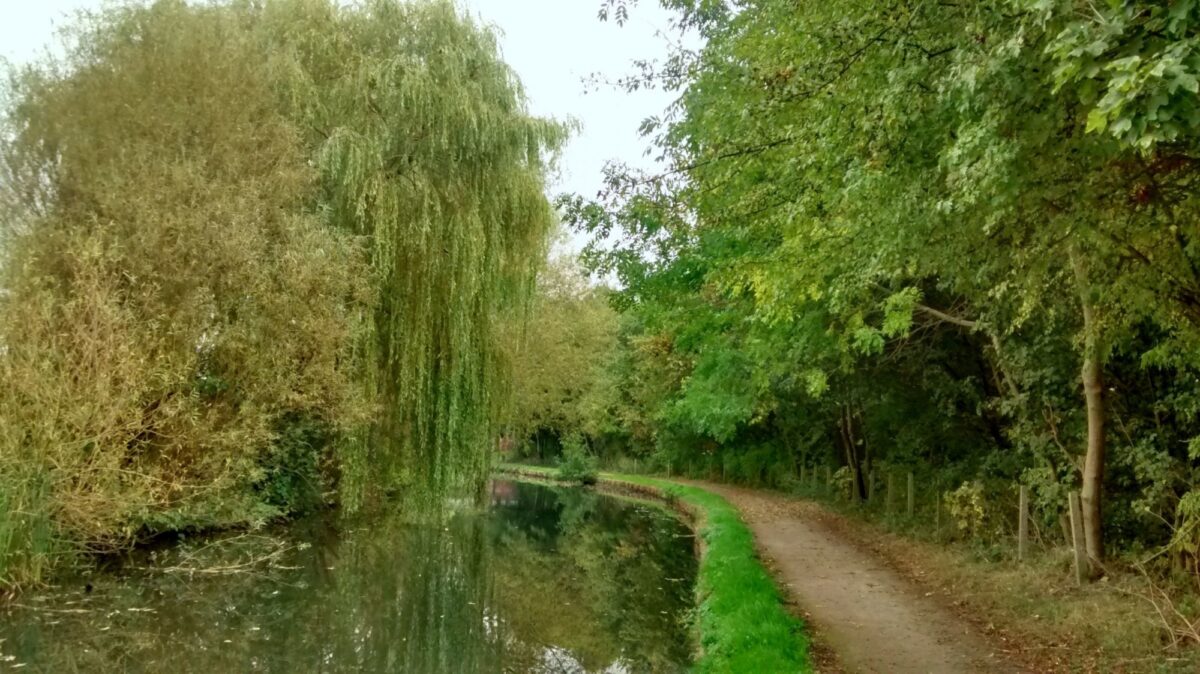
[[552, 44]]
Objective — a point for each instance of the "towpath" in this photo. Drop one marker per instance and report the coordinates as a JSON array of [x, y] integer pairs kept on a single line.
[[870, 617]]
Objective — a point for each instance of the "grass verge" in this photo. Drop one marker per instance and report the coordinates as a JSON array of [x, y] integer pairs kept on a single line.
[[742, 623]]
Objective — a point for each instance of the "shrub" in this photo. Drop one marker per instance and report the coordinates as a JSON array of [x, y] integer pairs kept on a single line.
[[174, 303], [966, 508], [577, 465]]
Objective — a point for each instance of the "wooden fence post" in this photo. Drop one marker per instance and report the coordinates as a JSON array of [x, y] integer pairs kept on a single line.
[[891, 491], [1081, 561], [1023, 525], [937, 509], [871, 486], [803, 474], [912, 500], [828, 478]]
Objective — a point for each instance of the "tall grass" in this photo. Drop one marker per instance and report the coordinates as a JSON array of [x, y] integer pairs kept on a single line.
[[28, 545]]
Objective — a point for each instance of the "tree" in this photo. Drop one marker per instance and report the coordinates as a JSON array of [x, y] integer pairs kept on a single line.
[[254, 249], [169, 298], [848, 183], [560, 355], [426, 150]]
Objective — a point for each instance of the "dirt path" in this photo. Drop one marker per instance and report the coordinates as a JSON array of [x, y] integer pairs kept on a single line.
[[872, 618]]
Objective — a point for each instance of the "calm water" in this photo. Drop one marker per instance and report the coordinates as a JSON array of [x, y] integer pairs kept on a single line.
[[545, 580]]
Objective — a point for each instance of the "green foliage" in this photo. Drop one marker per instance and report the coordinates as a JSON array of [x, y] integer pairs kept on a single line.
[[424, 147], [293, 479], [1185, 540], [28, 542], [169, 296], [576, 464], [843, 480], [892, 233], [213, 313], [1136, 66], [966, 508], [561, 358]]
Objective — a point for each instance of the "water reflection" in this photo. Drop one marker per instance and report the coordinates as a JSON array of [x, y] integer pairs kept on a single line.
[[546, 580]]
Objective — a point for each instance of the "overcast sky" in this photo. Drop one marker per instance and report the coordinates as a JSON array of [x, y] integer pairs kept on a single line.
[[552, 44]]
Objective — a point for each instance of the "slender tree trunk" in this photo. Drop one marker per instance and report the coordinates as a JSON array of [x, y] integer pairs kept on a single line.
[[847, 442], [1092, 375], [868, 463], [857, 485], [1002, 375]]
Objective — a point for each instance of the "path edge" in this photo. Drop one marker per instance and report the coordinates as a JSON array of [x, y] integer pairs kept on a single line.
[[740, 616]]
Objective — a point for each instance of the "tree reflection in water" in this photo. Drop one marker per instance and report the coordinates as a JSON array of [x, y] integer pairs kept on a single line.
[[546, 580]]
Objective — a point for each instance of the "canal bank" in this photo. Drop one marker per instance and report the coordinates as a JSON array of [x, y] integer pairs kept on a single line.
[[741, 622]]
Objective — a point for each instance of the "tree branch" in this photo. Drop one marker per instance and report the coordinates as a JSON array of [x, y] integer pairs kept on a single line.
[[943, 316]]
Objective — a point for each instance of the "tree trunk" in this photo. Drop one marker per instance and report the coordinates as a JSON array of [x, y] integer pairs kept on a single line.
[[868, 463], [1092, 375], [847, 443], [857, 484]]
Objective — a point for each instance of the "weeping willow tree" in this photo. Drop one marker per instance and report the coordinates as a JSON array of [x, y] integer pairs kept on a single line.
[[426, 150], [251, 248]]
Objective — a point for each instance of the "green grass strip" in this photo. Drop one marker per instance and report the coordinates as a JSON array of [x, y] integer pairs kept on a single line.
[[741, 620]]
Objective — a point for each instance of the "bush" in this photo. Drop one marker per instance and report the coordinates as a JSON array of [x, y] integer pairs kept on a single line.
[[577, 465], [966, 506], [292, 477], [175, 302]]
